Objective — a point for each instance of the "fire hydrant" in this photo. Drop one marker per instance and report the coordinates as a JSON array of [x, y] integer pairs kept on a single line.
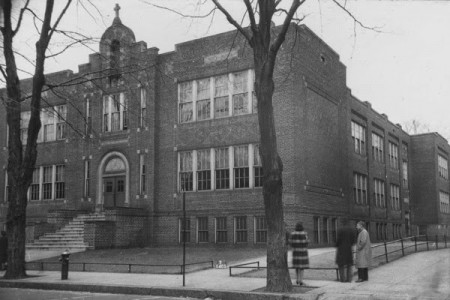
[[64, 259]]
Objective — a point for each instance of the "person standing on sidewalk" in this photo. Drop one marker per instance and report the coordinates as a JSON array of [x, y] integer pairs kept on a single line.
[[299, 242], [346, 238], [363, 252], [3, 250]]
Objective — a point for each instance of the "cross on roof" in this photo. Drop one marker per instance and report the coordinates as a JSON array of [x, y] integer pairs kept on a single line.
[[116, 9]]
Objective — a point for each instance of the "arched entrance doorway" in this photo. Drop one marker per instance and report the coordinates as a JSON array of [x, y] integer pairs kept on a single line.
[[113, 181]]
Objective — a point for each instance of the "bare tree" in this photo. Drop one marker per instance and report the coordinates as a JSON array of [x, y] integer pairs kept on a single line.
[[265, 49], [415, 127], [21, 162]]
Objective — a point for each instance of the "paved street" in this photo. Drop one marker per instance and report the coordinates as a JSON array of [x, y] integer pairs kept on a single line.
[[29, 294]]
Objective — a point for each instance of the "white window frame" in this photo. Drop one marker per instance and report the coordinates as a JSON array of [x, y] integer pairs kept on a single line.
[[143, 111], [188, 95], [193, 168], [108, 113], [444, 200], [358, 137], [395, 196], [360, 188], [393, 155], [377, 147], [379, 193], [442, 167]]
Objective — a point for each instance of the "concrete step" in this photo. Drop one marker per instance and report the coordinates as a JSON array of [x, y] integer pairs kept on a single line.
[[72, 249], [61, 243]]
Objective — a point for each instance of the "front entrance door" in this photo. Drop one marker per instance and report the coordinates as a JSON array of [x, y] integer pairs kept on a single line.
[[114, 191]]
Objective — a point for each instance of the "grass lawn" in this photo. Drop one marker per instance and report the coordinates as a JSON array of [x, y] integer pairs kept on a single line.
[[165, 256]]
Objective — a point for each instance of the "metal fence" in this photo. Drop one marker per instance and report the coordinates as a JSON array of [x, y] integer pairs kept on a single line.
[[120, 267], [382, 253]]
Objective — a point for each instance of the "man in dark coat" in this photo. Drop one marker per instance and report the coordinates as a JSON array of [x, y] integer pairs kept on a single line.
[[346, 238], [3, 250]]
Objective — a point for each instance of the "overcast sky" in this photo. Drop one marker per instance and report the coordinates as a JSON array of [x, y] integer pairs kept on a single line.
[[402, 68]]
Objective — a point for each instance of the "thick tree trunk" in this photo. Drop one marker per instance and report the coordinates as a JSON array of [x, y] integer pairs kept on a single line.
[[278, 278], [15, 226]]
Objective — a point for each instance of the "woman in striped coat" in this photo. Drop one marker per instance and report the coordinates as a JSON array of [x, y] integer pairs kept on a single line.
[[299, 242]]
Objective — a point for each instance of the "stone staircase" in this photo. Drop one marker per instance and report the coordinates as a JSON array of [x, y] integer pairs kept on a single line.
[[70, 237]]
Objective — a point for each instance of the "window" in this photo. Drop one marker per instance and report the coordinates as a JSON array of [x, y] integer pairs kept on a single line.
[[7, 187], [142, 174], [185, 96], [216, 97], [88, 125], [61, 115], [241, 169], [359, 138], [377, 148], [257, 167], [325, 230], [396, 231], [405, 174], [333, 230], [35, 185], [143, 114], [48, 123], [395, 197], [59, 182], [87, 178], [316, 226], [442, 167], [444, 202], [47, 181], [231, 167], [186, 172], [393, 155], [221, 98], [185, 230], [202, 230], [203, 170], [222, 169], [260, 230], [240, 93], [115, 116], [24, 120], [240, 229], [360, 188], [221, 230], [203, 99], [404, 150], [378, 193]]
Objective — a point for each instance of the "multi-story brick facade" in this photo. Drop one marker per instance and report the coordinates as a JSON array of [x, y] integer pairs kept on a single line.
[[139, 129]]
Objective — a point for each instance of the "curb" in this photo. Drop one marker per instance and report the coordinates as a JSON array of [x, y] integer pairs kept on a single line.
[[155, 291]]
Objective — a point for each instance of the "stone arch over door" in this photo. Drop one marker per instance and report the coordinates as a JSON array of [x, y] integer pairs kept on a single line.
[[113, 158]]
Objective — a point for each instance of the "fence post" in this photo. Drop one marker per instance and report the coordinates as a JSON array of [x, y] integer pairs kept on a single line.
[[437, 242], [415, 243], [403, 249], [129, 268], [385, 252], [426, 237], [445, 240]]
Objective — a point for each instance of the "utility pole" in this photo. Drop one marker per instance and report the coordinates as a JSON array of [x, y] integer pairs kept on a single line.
[[184, 238]]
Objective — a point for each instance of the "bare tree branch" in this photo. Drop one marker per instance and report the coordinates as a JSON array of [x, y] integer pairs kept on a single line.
[[280, 38], [179, 13], [251, 16], [59, 18], [354, 18], [19, 22], [232, 21]]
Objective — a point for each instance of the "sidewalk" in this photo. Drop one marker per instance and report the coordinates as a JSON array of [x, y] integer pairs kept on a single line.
[[424, 275]]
